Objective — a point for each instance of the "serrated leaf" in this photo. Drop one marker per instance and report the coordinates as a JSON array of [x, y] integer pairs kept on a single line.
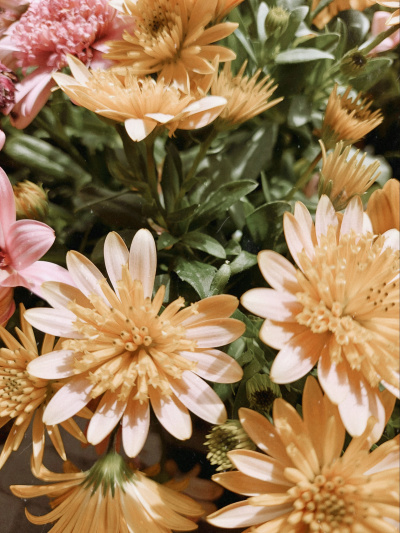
[[220, 200], [205, 243], [302, 55], [198, 275]]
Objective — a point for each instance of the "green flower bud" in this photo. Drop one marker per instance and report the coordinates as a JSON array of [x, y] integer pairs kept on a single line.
[[276, 21]]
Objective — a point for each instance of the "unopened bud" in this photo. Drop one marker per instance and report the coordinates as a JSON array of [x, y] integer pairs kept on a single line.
[[276, 21], [353, 63], [30, 200]]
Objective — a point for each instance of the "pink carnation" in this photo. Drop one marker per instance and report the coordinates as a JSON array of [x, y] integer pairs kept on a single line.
[[42, 38]]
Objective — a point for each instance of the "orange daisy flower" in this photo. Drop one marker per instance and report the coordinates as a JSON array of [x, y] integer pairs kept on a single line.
[[301, 483], [126, 352], [383, 207], [173, 38], [339, 308]]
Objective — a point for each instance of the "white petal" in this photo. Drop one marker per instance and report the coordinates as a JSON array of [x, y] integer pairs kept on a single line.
[[59, 295], [217, 332], [259, 466], [325, 217], [392, 239], [298, 237], [138, 129], [202, 112], [106, 417], [333, 377], [278, 334], [277, 270], [242, 514], [54, 365], [143, 260], [172, 414], [78, 69], [214, 365], [58, 322], [354, 409], [219, 306], [353, 217], [135, 427], [116, 255], [85, 274], [199, 397], [68, 401], [162, 118], [272, 304]]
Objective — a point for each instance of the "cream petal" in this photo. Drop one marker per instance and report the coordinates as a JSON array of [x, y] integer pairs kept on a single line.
[[138, 129], [246, 485], [85, 274], [353, 217], [68, 401], [135, 427], [172, 414], [297, 359], [242, 514], [58, 322], [219, 306], [162, 118], [143, 260], [324, 217], [272, 304], [333, 377], [279, 334], [298, 237], [354, 409], [79, 71], [106, 417], [54, 365], [202, 112], [199, 398], [377, 410], [392, 239], [217, 332], [278, 271], [263, 434], [59, 295], [214, 365], [259, 466], [116, 255]]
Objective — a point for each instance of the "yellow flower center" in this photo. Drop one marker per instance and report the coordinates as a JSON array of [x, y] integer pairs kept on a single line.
[[326, 505], [128, 346], [350, 291]]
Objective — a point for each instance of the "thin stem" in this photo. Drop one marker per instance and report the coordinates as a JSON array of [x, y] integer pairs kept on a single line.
[[303, 180], [379, 38], [112, 443], [152, 179], [95, 202], [187, 181]]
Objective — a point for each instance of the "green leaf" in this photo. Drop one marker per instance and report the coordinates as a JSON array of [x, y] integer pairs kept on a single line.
[[165, 240], [301, 55], [198, 275], [374, 71], [246, 45], [182, 214], [297, 15], [299, 111], [322, 42], [205, 243], [266, 222], [261, 16], [357, 26], [242, 262], [219, 201]]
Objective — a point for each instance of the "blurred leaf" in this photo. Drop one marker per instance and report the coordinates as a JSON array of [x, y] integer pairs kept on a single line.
[[301, 55], [357, 26], [297, 15], [198, 275], [299, 111], [205, 243], [266, 222], [182, 214], [261, 16], [242, 262], [171, 176], [374, 70], [322, 42], [165, 240], [246, 45]]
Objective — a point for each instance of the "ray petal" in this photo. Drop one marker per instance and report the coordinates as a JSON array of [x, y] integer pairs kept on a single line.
[[106, 417], [116, 255], [68, 401], [143, 260], [135, 427]]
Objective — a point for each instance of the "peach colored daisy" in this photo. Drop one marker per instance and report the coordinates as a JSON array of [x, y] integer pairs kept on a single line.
[[125, 352], [141, 104], [24, 397], [301, 483], [246, 97], [342, 178], [173, 38], [110, 497], [347, 119], [339, 308], [384, 206]]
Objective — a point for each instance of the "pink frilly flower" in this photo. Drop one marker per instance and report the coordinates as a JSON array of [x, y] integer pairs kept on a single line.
[[378, 26], [44, 35], [22, 243]]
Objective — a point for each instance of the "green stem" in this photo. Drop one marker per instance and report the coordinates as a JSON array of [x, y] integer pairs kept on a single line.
[[111, 448], [95, 202], [379, 38], [187, 181], [152, 180], [303, 180]]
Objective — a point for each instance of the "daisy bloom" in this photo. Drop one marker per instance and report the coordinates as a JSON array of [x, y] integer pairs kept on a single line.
[[173, 38], [141, 104], [395, 16], [109, 497], [347, 119], [42, 38], [383, 207], [343, 178], [24, 397], [126, 352], [22, 243], [334, 8], [301, 483], [339, 308], [246, 97]]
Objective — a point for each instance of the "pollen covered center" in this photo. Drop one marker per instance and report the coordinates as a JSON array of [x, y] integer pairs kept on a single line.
[[128, 346]]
